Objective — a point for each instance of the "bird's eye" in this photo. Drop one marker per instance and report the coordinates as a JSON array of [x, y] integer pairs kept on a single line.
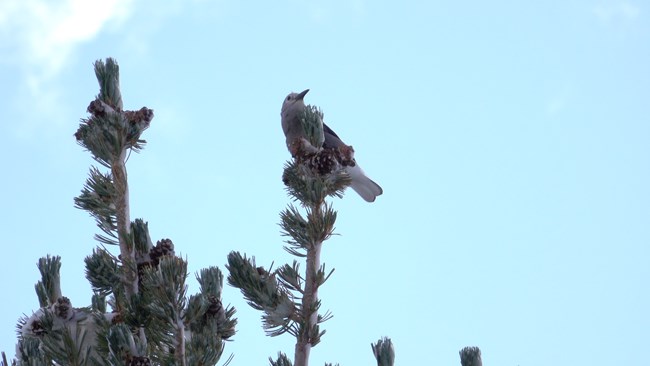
[[288, 97]]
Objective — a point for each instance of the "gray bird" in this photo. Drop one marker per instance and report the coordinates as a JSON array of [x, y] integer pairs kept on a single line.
[[292, 107]]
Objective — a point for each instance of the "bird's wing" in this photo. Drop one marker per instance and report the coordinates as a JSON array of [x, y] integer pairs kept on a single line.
[[332, 140]]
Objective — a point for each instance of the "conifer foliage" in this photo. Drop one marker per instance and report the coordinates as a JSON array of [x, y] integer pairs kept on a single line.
[[140, 312], [152, 320], [288, 296]]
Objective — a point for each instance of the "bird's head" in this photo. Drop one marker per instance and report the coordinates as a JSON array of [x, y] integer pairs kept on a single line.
[[294, 100]]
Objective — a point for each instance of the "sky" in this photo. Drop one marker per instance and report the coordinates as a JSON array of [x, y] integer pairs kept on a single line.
[[510, 139]]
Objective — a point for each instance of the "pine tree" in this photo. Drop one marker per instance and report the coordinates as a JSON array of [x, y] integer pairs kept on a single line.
[[151, 320], [287, 296]]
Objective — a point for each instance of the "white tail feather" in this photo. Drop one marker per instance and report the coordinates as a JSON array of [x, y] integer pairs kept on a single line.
[[364, 186]]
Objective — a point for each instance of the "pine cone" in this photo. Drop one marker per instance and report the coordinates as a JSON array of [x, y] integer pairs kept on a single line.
[[163, 247], [37, 328], [99, 109], [217, 311], [324, 162], [143, 115], [139, 361], [345, 155], [118, 318], [63, 308]]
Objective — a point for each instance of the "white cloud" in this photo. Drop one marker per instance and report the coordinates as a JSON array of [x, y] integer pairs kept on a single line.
[[37, 39], [44, 33]]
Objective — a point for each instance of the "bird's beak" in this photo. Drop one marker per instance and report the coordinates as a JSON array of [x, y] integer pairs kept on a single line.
[[302, 94]]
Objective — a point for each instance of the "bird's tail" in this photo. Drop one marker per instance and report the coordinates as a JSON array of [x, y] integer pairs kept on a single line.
[[364, 186]]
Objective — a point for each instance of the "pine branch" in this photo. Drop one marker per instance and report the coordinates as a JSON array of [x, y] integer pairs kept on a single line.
[[282, 360], [152, 320], [310, 178], [308, 334], [470, 356], [263, 292], [164, 292], [384, 352], [311, 120], [97, 197], [109, 134], [289, 299], [102, 270], [4, 361], [50, 284], [127, 252], [59, 333]]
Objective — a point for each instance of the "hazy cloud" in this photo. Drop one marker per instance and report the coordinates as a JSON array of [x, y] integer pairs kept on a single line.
[[44, 33], [37, 38], [612, 11], [323, 11]]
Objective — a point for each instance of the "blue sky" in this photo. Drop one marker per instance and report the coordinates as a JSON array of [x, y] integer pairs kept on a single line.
[[510, 138]]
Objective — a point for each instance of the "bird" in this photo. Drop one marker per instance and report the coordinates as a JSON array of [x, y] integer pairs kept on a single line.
[[292, 107]]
